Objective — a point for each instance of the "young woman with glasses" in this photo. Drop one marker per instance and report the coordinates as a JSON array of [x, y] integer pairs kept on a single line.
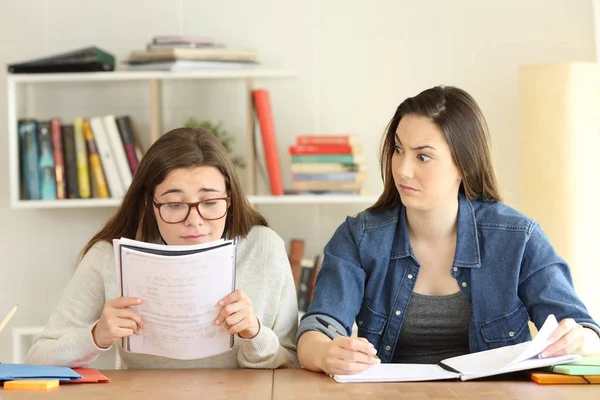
[[184, 192]]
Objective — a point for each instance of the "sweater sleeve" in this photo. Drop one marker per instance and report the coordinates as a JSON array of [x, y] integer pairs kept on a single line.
[[274, 346], [67, 337]]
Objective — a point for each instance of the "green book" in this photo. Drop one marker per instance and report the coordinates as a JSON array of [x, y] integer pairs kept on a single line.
[[89, 59], [328, 158], [586, 366]]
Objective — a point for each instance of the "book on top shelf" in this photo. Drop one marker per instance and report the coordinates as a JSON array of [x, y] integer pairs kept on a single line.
[[178, 39], [203, 53], [89, 59]]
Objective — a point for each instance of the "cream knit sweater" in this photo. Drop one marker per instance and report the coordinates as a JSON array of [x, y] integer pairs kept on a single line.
[[262, 271]]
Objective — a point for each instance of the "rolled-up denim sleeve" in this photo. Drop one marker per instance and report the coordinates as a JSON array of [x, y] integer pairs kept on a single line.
[[340, 285], [546, 286]]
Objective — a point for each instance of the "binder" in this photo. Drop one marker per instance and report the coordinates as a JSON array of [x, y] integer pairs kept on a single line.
[[88, 59]]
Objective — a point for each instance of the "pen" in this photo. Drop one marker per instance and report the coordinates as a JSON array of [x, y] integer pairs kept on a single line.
[[333, 328], [8, 317]]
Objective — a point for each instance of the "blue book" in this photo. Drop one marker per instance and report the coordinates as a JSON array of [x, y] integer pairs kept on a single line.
[[28, 150], [12, 372], [46, 162]]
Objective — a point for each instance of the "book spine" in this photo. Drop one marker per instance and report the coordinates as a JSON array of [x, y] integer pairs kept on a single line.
[[126, 132], [95, 164], [29, 159], [324, 140], [118, 150], [325, 185], [323, 149], [109, 165], [317, 269], [46, 162], [262, 106], [59, 158], [68, 136], [83, 173], [295, 256], [318, 168], [324, 158], [330, 176], [304, 286]]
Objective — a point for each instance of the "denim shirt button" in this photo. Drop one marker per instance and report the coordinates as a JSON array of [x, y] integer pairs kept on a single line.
[[388, 348], [511, 334], [455, 269], [398, 312], [464, 284], [409, 276], [360, 323]]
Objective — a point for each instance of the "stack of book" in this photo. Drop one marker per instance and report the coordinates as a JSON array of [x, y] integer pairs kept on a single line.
[[188, 53], [327, 164], [81, 159]]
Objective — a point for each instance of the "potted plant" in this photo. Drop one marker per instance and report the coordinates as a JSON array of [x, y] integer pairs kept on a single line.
[[218, 131]]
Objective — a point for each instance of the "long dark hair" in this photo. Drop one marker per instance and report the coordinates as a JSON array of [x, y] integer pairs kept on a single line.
[[179, 148], [462, 123]]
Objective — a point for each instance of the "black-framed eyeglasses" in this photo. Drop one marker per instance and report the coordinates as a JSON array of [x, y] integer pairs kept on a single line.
[[209, 210]]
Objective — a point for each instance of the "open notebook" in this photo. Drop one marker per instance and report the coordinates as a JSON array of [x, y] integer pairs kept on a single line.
[[519, 357]]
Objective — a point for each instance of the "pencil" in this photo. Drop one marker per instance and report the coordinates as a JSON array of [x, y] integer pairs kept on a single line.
[[8, 317]]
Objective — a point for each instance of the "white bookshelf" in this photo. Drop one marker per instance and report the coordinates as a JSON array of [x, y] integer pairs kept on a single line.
[[256, 200], [17, 84]]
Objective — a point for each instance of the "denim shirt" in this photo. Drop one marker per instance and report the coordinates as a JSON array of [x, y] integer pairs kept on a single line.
[[504, 264]]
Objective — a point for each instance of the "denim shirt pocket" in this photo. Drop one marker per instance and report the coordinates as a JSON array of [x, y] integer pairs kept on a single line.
[[508, 329], [370, 325]]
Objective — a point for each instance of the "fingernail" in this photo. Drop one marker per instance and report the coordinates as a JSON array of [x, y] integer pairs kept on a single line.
[[545, 354], [373, 351], [221, 303], [550, 341], [139, 301], [377, 360], [217, 322]]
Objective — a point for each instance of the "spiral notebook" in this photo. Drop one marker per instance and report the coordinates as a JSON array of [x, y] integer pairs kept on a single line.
[[180, 287]]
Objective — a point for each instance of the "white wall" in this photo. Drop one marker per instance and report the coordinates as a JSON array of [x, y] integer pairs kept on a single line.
[[356, 60]]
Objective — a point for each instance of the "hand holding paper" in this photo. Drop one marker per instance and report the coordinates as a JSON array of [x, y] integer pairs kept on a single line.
[[118, 321], [238, 315]]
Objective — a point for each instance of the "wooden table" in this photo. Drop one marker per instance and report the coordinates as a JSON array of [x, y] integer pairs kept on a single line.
[[301, 384], [294, 384], [163, 384]]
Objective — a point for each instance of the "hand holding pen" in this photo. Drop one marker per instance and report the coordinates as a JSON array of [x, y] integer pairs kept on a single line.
[[347, 355]]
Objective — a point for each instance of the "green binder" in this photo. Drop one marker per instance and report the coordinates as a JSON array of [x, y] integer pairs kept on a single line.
[[89, 59], [586, 366]]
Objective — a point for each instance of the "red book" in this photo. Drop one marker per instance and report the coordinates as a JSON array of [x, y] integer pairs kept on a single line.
[[90, 375], [262, 105], [59, 158], [312, 149], [325, 139]]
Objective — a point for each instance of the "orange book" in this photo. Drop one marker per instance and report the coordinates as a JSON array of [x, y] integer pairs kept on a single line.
[[262, 105], [549, 378], [325, 139], [32, 384]]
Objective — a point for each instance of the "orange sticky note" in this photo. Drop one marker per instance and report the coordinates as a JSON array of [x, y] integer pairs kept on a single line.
[[31, 385]]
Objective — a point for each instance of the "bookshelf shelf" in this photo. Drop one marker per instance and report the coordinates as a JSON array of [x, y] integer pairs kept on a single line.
[[256, 200], [241, 73], [17, 85]]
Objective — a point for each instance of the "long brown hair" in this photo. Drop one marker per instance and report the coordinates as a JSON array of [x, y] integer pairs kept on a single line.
[[461, 121], [179, 148]]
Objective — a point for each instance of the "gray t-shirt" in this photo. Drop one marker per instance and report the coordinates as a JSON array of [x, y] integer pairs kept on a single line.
[[434, 328]]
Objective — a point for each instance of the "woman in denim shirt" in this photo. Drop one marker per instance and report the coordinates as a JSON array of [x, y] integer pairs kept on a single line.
[[438, 266]]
